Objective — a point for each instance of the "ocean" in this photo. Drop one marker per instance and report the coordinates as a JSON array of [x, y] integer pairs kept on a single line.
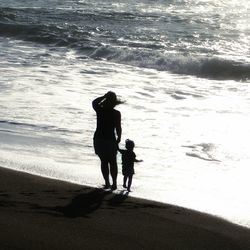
[[181, 66]]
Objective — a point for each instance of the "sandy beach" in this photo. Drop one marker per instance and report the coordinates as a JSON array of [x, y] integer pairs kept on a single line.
[[40, 213]]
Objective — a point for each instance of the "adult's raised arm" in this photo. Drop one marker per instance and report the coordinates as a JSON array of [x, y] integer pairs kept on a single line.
[[97, 101]]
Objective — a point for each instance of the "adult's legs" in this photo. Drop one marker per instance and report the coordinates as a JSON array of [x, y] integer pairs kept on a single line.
[[105, 170], [113, 171]]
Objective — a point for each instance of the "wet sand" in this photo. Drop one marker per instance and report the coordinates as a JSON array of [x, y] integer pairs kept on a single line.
[[40, 213]]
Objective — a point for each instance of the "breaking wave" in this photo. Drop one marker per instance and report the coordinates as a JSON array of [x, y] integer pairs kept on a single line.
[[215, 68], [91, 42]]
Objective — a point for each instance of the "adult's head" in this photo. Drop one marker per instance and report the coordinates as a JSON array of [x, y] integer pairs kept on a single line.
[[110, 100]]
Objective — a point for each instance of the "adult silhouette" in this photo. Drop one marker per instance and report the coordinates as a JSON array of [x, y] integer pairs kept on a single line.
[[107, 135]]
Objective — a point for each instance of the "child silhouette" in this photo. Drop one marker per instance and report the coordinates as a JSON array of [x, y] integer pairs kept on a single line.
[[128, 159]]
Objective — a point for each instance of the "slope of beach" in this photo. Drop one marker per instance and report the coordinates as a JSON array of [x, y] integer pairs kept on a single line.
[[40, 213]]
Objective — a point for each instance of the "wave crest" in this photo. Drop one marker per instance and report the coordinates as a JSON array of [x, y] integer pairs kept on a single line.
[[209, 67]]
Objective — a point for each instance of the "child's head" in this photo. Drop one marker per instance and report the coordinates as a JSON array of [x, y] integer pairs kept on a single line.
[[129, 144]]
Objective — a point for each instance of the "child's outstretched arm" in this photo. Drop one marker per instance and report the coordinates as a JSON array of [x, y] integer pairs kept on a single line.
[[138, 160]]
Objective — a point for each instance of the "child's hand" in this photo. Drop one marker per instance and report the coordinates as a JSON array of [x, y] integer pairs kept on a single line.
[[138, 160]]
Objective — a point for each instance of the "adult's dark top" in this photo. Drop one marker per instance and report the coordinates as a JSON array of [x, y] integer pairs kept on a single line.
[[107, 121]]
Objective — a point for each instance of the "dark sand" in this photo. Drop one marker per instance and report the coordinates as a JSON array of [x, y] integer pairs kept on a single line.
[[39, 213]]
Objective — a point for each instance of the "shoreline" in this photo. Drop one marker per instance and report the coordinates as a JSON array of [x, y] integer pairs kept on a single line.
[[131, 195], [42, 213]]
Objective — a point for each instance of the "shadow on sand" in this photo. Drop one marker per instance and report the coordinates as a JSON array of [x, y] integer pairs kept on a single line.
[[87, 203]]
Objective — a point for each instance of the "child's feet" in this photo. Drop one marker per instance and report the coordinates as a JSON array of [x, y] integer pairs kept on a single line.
[[124, 185], [128, 190]]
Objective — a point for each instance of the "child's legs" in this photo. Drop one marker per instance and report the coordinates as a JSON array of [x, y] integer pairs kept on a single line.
[[130, 178], [125, 177]]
